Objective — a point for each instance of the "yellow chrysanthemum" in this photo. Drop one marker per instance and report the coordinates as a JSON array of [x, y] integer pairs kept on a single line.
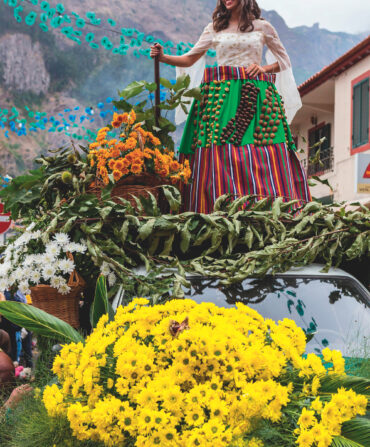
[[202, 386]]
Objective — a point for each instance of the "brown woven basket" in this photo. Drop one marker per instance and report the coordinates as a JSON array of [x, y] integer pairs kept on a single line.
[[65, 307], [139, 186], [136, 185]]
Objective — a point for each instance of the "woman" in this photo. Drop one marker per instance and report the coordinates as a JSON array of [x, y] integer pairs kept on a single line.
[[238, 137]]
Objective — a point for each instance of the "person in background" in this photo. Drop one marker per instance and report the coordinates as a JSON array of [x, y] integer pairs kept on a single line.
[[19, 342], [6, 364]]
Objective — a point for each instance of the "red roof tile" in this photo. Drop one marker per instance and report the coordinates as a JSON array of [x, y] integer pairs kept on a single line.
[[351, 57]]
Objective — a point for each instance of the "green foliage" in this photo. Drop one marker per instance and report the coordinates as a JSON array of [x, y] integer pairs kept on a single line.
[[241, 238], [145, 111], [42, 189], [29, 425], [340, 441], [331, 383], [38, 321], [357, 430], [101, 305]]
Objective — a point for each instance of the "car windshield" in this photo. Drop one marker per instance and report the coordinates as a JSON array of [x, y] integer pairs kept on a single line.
[[335, 311]]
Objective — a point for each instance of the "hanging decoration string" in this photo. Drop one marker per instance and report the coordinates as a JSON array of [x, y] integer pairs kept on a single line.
[[70, 121], [72, 26]]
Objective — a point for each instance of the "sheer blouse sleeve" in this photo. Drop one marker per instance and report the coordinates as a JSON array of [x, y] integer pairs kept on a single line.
[[276, 47], [205, 41], [196, 70], [285, 82]]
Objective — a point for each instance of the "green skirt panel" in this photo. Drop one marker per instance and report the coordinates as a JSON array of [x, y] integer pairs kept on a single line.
[[236, 109]]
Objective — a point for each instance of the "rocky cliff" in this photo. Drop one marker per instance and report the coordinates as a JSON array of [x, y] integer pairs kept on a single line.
[[23, 66]]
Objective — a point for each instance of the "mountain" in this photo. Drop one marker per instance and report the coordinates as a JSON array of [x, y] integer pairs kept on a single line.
[[48, 72]]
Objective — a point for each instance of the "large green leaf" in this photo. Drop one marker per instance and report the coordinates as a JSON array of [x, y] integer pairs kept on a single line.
[[101, 304], [340, 441], [173, 197], [194, 93], [357, 430], [331, 383], [166, 83], [38, 321], [133, 89]]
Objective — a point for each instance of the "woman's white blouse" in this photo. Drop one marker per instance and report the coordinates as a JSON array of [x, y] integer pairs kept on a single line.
[[240, 49]]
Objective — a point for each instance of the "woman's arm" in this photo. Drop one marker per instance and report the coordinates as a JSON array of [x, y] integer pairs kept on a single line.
[[187, 60], [273, 68], [276, 47]]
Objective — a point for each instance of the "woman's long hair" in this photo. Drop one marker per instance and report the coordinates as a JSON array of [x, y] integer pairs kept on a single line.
[[249, 12]]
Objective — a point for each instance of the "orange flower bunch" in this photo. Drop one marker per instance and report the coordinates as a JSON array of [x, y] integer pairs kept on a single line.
[[133, 152]]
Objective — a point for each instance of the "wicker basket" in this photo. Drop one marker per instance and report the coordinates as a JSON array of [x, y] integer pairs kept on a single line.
[[139, 186], [136, 185], [65, 307]]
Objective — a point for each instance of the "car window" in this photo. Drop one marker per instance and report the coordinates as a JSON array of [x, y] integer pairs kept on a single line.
[[334, 310]]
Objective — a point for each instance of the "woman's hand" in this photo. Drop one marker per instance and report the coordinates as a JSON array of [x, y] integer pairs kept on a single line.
[[255, 69], [157, 50]]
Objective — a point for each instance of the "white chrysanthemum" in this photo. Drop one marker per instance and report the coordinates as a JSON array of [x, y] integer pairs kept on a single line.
[[4, 268], [61, 238], [38, 259], [48, 259], [48, 271], [35, 277], [7, 260], [66, 265], [12, 279], [36, 234], [24, 288], [53, 249], [75, 248], [57, 281], [111, 279], [18, 274], [70, 247], [27, 272], [64, 289], [29, 260], [105, 269], [3, 284]]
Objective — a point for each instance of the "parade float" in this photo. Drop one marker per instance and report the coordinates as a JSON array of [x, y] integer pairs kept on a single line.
[[165, 371]]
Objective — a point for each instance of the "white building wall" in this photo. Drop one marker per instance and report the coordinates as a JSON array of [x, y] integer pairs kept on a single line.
[[342, 177], [344, 161]]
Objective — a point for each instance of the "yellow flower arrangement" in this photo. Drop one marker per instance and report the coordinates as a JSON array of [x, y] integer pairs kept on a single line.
[[143, 377], [135, 151]]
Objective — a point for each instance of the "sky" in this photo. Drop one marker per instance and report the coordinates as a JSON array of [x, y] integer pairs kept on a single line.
[[352, 16]]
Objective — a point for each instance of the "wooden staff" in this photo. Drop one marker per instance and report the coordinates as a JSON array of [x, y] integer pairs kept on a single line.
[[158, 91]]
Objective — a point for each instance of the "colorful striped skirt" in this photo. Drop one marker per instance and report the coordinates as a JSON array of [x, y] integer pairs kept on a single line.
[[239, 142]]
